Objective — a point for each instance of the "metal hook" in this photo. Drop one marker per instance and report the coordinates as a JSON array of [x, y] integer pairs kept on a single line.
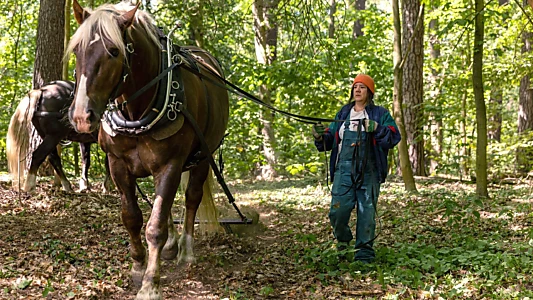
[[129, 47], [176, 26]]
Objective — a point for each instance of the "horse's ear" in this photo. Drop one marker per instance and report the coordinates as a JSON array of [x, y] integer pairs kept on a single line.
[[79, 12], [126, 19]]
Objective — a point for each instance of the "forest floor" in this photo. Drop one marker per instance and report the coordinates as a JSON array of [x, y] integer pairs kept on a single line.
[[438, 243]]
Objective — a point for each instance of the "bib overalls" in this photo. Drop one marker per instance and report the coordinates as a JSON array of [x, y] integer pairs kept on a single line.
[[355, 184]]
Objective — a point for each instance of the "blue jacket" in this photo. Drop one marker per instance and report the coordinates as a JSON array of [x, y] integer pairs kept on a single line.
[[385, 137]]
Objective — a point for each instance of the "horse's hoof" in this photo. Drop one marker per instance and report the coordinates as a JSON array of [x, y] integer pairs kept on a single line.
[[186, 258], [170, 253], [137, 274], [186, 252], [149, 293], [84, 189]]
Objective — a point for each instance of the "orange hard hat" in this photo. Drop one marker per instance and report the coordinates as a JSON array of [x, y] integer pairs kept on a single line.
[[366, 80]]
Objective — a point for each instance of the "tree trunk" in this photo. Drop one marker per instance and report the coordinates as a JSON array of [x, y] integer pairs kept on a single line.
[[66, 39], [332, 11], [405, 165], [48, 55], [358, 25], [524, 159], [266, 39], [525, 114], [437, 137], [495, 109], [465, 150], [525, 106], [75, 150], [496, 100], [49, 49], [413, 84], [196, 14], [481, 111]]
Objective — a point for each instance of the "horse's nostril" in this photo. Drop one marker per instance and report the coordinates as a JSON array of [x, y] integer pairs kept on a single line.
[[92, 116]]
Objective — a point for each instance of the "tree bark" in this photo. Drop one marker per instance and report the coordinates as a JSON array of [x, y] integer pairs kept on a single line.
[[436, 134], [358, 25], [496, 101], [266, 39], [196, 29], [413, 84], [49, 49], [332, 11], [66, 39], [495, 109], [405, 165], [481, 111], [525, 108], [465, 150]]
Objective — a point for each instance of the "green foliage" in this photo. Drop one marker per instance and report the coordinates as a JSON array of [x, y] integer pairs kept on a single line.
[[312, 74], [444, 242]]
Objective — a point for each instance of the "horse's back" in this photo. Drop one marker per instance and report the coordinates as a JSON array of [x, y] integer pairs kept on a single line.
[[56, 95], [212, 107]]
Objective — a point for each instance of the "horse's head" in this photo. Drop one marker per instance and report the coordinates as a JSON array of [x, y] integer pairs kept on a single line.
[[100, 61]]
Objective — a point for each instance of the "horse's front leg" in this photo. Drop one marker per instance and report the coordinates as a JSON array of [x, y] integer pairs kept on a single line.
[[170, 250], [107, 185], [85, 149], [132, 217], [157, 229]]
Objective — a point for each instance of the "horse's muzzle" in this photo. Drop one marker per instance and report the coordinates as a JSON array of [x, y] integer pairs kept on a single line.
[[85, 122]]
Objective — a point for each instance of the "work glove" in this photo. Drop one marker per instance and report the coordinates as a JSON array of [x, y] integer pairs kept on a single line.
[[370, 125], [318, 130]]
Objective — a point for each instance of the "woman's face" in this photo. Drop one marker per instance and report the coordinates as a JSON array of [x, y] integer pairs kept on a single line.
[[360, 93]]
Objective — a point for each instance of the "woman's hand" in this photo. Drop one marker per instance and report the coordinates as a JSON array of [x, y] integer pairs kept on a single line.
[[318, 130], [370, 125]]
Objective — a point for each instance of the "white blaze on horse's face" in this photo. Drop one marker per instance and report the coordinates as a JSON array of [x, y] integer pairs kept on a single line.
[[81, 121], [98, 72]]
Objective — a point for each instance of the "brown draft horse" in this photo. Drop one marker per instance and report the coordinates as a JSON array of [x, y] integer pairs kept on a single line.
[[118, 52], [45, 110]]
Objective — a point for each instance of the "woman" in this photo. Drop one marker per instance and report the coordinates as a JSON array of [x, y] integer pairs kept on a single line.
[[360, 143]]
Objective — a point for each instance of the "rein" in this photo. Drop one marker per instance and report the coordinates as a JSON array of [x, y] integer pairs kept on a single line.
[[242, 93]]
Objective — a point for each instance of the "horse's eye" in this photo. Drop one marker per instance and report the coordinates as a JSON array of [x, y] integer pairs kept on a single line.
[[114, 52]]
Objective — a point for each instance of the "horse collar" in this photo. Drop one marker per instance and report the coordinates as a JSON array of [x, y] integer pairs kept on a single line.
[[170, 97]]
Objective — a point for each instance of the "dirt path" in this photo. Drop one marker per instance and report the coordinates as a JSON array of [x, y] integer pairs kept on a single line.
[[74, 246]]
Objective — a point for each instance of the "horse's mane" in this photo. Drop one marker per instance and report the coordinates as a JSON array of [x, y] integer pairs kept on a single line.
[[102, 21]]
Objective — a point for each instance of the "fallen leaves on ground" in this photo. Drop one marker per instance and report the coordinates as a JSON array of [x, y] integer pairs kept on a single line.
[[60, 245]]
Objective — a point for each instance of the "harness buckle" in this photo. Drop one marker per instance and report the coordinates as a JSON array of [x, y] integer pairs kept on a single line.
[[177, 59], [129, 48]]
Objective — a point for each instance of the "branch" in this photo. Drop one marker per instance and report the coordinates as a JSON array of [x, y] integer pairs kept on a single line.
[[524, 11]]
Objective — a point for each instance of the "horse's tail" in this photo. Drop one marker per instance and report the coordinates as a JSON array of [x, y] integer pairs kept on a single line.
[[207, 212], [18, 137]]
